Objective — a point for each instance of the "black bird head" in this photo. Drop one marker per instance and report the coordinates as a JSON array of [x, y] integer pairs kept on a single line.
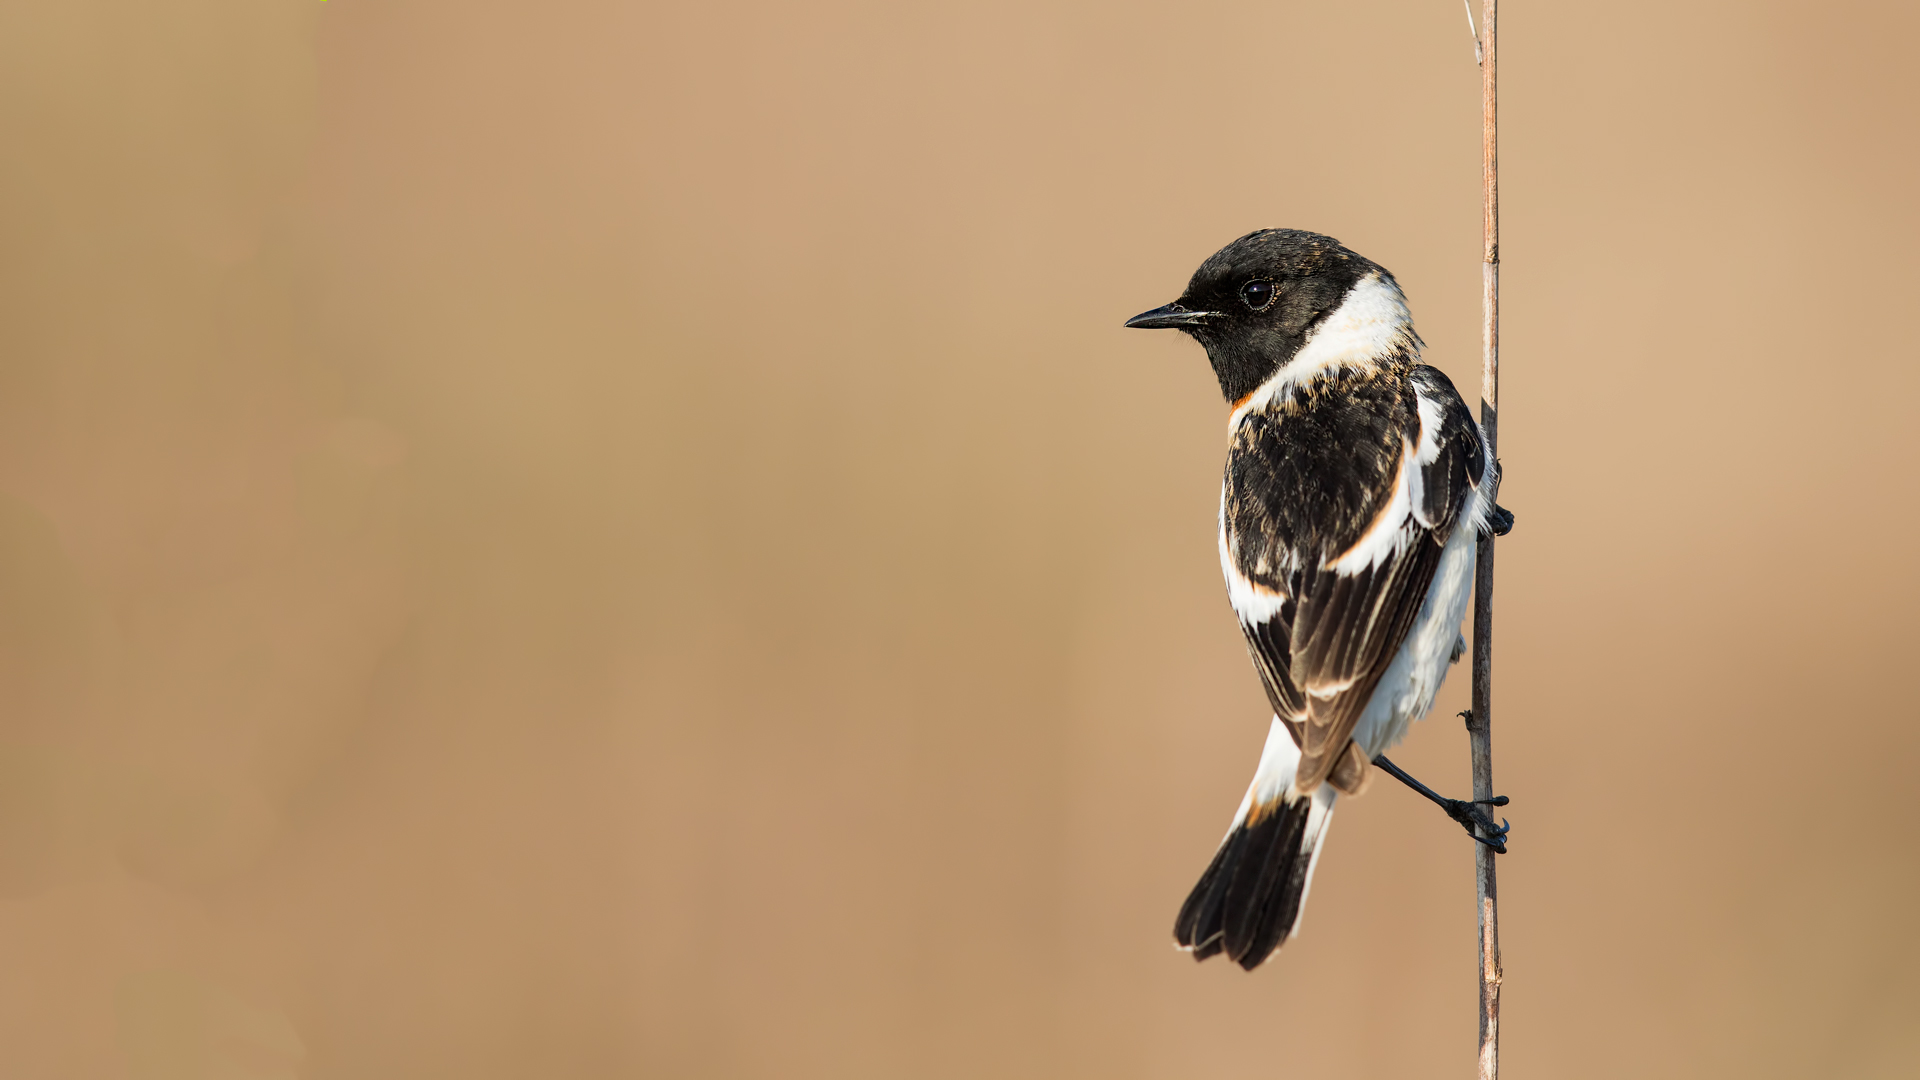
[[1258, 300]]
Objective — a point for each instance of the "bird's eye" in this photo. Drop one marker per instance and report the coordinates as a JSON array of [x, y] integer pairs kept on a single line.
[[1257, 294]]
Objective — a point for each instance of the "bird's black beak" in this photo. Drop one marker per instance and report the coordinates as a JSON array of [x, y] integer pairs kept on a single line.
[[1170, 317]]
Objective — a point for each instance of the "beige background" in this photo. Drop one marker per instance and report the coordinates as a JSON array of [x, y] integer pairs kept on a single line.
[[594, 540]]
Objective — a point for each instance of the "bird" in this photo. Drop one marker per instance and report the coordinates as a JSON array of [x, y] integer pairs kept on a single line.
[[1356, 488]]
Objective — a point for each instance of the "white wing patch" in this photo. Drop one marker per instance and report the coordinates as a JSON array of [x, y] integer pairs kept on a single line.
[[1430, 416], [1389, 535], [1473, 516]]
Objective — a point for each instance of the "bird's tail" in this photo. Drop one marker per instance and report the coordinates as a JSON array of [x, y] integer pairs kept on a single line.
[[1248, 902]]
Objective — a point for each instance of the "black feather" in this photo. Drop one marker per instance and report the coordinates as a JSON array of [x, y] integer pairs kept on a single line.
[[1248, 900]]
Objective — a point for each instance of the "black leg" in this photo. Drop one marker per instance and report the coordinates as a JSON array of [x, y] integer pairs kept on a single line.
[[1464, 811]]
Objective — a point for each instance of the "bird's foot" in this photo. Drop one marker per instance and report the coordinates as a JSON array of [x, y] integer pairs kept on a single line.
[[1500, 520], [1473, 819], [1465, 811]]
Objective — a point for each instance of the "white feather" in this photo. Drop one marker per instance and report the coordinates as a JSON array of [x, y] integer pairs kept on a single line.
[[1254, 604], [1279, 760], [1429, 408], [1388, 536]]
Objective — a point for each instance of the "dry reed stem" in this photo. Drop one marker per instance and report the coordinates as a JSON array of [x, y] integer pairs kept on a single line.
[[1480, 721]]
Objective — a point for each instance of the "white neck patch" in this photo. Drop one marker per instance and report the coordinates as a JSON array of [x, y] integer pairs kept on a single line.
[[1368, 326]]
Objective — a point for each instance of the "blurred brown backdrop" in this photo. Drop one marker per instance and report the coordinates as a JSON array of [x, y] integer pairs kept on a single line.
[[602, 540]]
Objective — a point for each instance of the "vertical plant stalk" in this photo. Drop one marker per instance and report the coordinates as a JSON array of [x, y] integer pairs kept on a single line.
[[1480, 721]]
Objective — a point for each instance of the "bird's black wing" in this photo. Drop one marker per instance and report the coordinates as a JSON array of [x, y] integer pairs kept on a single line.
[[1335, 512]]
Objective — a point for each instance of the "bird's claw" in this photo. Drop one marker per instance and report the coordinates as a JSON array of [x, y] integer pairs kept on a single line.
[[1500, 520], [1472, 819]]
